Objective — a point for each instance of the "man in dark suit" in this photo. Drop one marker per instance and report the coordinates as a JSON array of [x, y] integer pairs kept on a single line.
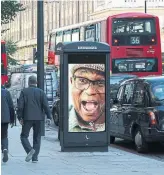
[[7, 116], [32, 106]]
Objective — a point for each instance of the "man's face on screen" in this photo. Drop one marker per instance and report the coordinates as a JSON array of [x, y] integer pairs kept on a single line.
[[88, 93]]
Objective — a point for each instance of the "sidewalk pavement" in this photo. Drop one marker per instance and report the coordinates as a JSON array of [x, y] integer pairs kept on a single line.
[[54, 162]]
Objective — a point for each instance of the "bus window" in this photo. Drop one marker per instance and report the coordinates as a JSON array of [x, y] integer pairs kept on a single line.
[[134, 65], [90, 33], [2, 68], [75, 34], [67, 36], [59, 37], [148, 26], [133, 26], [98, 32], [52, 42], [133, 32]]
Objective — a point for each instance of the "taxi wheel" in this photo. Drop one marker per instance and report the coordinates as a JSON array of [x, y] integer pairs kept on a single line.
[[112, 139], [56, 117], [141, 145]]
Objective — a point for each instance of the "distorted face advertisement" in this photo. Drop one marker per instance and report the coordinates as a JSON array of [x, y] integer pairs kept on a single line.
[[86, 98]]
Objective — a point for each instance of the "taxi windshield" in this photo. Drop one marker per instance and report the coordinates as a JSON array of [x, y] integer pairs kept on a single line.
[[158, 92]]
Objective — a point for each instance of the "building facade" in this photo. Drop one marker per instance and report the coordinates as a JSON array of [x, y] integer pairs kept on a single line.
[[104, 8], [23, 29], [62, 13]]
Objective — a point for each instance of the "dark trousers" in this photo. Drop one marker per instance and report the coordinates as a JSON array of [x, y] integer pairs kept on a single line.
[[4, 136], [27, 125]]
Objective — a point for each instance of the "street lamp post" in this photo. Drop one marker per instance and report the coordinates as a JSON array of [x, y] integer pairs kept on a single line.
[[40, 52]]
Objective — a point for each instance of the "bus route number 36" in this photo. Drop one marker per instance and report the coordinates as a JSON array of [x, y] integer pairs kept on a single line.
[[135, 40]]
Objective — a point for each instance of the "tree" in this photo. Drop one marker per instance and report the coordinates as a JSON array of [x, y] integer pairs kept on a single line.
[[11, 48], [9, 10]]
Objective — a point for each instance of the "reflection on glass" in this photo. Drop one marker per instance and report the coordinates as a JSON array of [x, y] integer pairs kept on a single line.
[[86, 98], [133, 26], [90, 33], [158, 91], [134, 65]]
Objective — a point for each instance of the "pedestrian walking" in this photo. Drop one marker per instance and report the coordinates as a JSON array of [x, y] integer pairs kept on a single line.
[[7, 116], [32, 107]]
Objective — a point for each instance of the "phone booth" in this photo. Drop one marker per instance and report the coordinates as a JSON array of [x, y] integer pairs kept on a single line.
[[84, 96]]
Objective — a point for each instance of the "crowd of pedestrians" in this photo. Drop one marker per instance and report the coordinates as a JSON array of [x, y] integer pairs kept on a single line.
[[32, 107]]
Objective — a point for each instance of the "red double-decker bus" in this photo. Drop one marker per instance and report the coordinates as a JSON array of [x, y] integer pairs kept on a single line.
[[85, 31], [4, 76], [136, 44], [134, 39]]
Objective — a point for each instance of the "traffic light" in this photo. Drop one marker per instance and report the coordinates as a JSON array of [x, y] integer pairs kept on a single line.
[[35, 59]]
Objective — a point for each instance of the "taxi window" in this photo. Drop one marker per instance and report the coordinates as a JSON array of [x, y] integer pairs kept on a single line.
[[139, 95], [128, 93], [158, 92], [119, 94]]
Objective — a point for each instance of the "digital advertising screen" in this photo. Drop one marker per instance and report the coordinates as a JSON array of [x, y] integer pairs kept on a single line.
[[87, 89]]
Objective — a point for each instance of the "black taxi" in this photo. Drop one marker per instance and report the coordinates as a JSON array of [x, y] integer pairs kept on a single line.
[[137, 113]]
